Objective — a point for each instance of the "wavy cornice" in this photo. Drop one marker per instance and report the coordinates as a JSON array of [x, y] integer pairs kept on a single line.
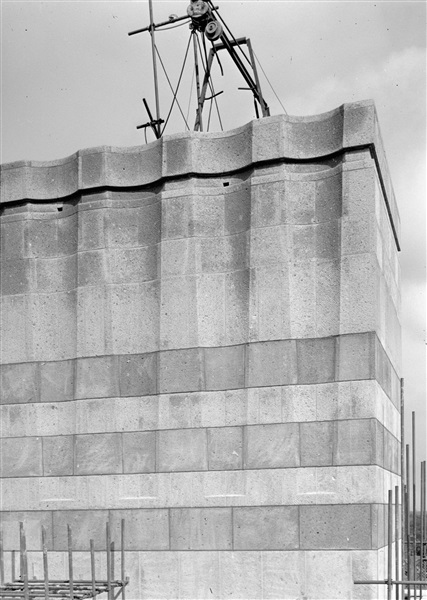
[[279, 138]]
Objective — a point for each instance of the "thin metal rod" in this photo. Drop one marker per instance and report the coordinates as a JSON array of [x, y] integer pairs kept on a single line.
[[396, 536], [45, 565], [421, 523], [1, 558], [402, 471], [414, 502], [122, 556], [24, 560], [70, 560], [390, 544], [196, 66], [153, 51], [13, 566], [108, 536], [384, 581], [264, 108], [407, 508], [92, 566], [169, 22]]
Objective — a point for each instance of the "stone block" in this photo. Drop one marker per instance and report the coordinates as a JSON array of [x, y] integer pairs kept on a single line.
[[225, 367], [304, 241], [201, 529], [58, 455], [12, 239], [138, 374], [92, 268], [264, 405], [241, 575], [315, 136], [283, 574], [90, 326], [97, 377], [153, 586], [355, 442], [268, 204], [21, 457], [328, 204], [139, 452], [178, 317], [211, 309], [176, 217], [33, 522], [91, 229], [269, 246], [178, 257], [356, 356], [316, 443], [269, 317], [225, 449], [177, 156], [199, 574], [181, 371], [224, 254], [302, 294], [146, 529], [19, 383], [98, 453], [299, 403], [237, 307], [133, 265], [208, 215], [335, 527], [329, 575], [358, 192], [68, 231], [271, 363], [300, 197], [328, 240], [56, 274], [359, 280], [139, 413], [85, 525], [42, 237], [327, 298], [271, 446], [237, 210], [15, 276], [182, 450], [265, 528], [316, 360], [140, 333], [57, 381]]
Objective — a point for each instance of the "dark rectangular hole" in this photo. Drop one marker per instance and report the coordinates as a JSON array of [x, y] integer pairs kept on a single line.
[[226, 183]]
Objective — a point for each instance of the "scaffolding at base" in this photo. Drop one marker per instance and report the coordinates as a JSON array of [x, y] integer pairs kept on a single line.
[[24, 588]]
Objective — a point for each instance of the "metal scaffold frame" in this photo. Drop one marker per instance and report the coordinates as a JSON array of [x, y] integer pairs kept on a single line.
[[24, 588]]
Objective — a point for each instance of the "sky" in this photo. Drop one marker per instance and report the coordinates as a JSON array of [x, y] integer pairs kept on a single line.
[[72, 78]]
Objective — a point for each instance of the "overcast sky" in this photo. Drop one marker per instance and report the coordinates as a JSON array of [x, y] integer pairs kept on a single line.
[[72, 78]]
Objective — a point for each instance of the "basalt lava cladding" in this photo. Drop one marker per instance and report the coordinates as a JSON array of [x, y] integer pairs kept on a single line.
[[201, 336]]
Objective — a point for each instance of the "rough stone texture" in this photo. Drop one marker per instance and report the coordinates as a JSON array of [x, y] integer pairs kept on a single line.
[[201, 336]]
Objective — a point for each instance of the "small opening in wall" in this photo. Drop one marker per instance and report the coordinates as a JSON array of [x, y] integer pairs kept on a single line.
[[226, 183], [59, 208]]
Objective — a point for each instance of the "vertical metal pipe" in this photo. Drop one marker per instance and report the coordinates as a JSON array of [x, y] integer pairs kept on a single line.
[[407, 517], [13, 574], [414, 504], [196, 67], [389, 543], [153, 51], [24, 560], [92, 567], [108, 536], [1, 558], [421, 525], [402, 470], [45, 565], [122, 556], [70, 560], [396, 538]]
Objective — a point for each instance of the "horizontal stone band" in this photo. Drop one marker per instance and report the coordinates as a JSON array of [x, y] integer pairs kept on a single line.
[[345, 526], [273, 446], [349, 357]]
